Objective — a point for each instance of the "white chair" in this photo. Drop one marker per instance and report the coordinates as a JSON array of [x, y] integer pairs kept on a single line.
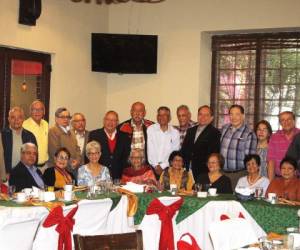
[[232, 234], [18, 227], [151, 226], [90, 219]]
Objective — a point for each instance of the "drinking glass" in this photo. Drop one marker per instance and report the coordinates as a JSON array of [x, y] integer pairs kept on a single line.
[[205, 187], [11, 191], [197, 187], [259, 192]]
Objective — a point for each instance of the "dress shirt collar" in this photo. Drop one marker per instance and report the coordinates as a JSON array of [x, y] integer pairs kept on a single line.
[[65, 129], [112, 136], [134, 125]]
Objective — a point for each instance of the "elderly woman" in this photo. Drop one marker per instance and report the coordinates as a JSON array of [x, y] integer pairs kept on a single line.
[[176, 173], [215, 178], [138, 172], [92, 172], [263, 132], [58, 176], [253, 179], [287, 186]]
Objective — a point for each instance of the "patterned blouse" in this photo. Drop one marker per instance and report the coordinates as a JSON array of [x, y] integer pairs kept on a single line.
[[86, 178], [263, 170]]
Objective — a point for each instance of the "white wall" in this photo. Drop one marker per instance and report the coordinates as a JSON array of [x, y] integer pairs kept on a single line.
[[184, 58], [64, 31]]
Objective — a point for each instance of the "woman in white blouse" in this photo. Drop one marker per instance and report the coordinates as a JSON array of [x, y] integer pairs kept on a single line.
[[253, 179]]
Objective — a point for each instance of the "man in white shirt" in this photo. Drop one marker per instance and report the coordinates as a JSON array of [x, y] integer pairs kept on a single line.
[[82, 135], [163, 139]]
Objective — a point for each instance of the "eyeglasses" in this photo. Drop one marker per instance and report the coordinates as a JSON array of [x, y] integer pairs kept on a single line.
[[83, 120], [37, 110], [30, 153], [94, 153], [61, 158], [64, 117]]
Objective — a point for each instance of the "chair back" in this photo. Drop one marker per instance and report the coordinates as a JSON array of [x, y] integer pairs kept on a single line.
[[128, 241]]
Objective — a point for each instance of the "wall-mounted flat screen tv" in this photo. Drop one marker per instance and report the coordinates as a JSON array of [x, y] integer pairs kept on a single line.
[[124, 53]]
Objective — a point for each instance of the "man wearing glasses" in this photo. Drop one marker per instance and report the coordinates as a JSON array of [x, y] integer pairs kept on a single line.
[[60, 135], [39, 127]]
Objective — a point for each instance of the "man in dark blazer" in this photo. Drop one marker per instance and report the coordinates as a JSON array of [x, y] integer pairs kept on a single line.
[[115, 145], [26, 174], [200, 141], [136, 127], [13, 137]]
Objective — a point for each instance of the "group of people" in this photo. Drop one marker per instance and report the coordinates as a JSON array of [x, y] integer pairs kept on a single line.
[[139, 150]]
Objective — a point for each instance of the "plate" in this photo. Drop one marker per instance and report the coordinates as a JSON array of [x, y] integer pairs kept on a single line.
[[19, 202]]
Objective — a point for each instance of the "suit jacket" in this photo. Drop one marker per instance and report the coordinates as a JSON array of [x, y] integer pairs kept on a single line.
[[128, 129], [197, 152], [117, 160], [21, 177], [7, 142], [86, 138]]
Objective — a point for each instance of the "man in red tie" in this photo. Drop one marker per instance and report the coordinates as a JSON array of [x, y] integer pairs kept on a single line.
[[115, 145]]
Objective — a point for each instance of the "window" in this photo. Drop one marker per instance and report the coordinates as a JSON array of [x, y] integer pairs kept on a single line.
[[261, 72]]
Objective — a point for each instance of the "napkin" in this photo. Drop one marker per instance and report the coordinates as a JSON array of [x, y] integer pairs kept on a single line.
[[244, 191], [133, 187], [35, 192]]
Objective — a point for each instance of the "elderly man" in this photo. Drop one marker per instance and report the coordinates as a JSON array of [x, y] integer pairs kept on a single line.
[[163, 139], [200, 141], [115, 145], [79, 128], [13, 138], [60, 135], [136, 127], [184, 120], [280, 142], [26, 174], [39, 127], [237, 141]]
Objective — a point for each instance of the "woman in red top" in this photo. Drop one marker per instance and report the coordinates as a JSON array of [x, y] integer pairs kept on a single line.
[[287, 186], [138, 172]]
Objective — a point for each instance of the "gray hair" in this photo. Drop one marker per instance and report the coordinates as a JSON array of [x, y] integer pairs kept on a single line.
[[27, 145], [60, 110], [37, 101], [183, 106], [140, 151], [14, 109], [92, 145]]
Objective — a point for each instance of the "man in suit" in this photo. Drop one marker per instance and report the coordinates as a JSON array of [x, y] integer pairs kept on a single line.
[[79, 128], [200, 141], [136, 127], [13, 138], [61, 135], [26, 174], [115, 145]]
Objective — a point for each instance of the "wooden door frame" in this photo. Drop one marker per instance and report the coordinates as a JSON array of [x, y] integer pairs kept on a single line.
[[6, 56]]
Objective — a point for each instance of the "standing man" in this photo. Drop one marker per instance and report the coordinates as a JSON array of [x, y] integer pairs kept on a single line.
[[39, 127], [237, 141], [14, 137], [280, 142], [82, 135], [200, 141], [136, 127], [60, 135], [184, 120], [115, 145], [163, 139]]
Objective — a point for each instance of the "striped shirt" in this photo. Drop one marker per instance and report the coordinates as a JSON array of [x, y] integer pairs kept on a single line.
[[236, 143], [182, 130]]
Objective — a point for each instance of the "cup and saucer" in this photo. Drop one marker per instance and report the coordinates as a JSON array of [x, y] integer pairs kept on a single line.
[[212, 192]]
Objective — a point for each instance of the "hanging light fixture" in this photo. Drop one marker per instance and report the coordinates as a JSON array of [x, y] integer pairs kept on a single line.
[[24, 84]]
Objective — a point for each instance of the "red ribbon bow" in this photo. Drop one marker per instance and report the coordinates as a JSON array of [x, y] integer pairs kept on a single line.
[[183, 245], [165, 214], [64, 226], [4, 188]]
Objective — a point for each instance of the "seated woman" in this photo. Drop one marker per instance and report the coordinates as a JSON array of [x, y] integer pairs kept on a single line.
[[176, 173], [287, 186], [58, 176], [138, 172], [253, 179], [89, 174], [215, 178]]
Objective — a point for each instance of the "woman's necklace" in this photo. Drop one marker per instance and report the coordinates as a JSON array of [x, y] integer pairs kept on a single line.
[[254, 181]]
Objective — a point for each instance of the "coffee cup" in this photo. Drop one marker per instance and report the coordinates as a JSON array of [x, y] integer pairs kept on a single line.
[[21, 197], [271, 196], [68, 188], [212, 191], [68, 195]]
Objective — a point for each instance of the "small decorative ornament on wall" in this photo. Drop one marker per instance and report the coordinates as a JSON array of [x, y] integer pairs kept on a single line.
[[116, 1]]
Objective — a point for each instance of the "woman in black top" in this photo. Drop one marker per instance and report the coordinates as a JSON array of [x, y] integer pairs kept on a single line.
[[215, 178]]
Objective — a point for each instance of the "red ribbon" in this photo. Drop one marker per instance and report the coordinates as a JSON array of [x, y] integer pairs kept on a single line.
[[64, 226], [3, 189], [165, 214], [226, 217], [183, 245]]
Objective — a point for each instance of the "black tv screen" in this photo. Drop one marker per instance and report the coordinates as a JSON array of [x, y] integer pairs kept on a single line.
[[123, 53]]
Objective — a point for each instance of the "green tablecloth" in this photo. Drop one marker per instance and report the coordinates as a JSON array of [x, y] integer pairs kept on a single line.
[[272, 218]]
